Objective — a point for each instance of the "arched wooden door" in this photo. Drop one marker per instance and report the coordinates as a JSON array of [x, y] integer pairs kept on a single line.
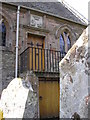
[[49, 98]]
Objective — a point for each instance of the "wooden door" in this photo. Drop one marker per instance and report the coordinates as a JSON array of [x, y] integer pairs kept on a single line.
[[49, 99], [36, 44]]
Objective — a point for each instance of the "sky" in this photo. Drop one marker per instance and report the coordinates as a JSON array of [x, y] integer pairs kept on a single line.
[[80, 5]]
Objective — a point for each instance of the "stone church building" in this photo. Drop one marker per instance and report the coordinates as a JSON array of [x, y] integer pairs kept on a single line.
[[47, 30]]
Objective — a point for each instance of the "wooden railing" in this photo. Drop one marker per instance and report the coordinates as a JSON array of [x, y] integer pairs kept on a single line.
[[40, 60]]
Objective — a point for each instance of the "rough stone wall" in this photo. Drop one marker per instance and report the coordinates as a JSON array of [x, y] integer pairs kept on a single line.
[[7, 52], [20, 98], [31, 78], [74, 70], [51, 25], [8, 67], [50, 28]]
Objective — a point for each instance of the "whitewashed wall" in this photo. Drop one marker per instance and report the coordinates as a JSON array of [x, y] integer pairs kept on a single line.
[[74, 70]]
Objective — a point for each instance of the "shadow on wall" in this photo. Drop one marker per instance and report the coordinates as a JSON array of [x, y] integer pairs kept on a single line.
[[32, 103]]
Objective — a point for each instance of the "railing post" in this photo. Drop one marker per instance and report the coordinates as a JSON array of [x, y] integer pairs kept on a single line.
[[58, 61], [41, 59], [35, 58], [32, 58], [55, 62], [47, 59], [44, 61], [28, 58], [38, 59], [50, 59]]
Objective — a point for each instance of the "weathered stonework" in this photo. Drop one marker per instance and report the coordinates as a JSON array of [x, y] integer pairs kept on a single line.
[[8, 66], [31, 78], [20, 98], [50, 27], [74, 79], [51, 30]]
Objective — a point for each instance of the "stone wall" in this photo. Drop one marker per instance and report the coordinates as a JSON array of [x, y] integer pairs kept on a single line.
[[8, 66], [74, 71], [51, 29], [32, 110]]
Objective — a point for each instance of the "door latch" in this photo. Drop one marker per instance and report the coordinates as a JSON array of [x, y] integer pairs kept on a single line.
[[40, 97]]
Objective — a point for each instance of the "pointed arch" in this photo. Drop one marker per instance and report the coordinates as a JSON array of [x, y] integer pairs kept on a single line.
[[9, 24], [7, 17], [63, 28], [64, 34]]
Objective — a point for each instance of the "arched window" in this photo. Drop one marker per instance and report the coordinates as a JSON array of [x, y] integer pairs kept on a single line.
[[3, 33], [68, 41], [65, 42]]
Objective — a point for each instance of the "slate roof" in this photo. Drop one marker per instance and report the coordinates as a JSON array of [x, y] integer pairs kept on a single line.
[[55, 8]]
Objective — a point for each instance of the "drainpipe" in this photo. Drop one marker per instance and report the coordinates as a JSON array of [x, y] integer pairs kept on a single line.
[[17, 36]]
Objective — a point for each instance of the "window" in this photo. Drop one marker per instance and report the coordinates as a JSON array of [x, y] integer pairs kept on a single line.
[[68, 43], [65, 43], [3, 33], [62, 44]]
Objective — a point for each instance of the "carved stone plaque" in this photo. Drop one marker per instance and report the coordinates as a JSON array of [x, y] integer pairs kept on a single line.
[[36, 21]]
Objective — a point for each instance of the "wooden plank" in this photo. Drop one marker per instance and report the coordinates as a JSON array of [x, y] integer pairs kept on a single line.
[[36, 62], [49, 99]]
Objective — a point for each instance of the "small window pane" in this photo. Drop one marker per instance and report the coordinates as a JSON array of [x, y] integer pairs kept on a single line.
[[62, 44], [3, 28], [68, 43], [3, 33]]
